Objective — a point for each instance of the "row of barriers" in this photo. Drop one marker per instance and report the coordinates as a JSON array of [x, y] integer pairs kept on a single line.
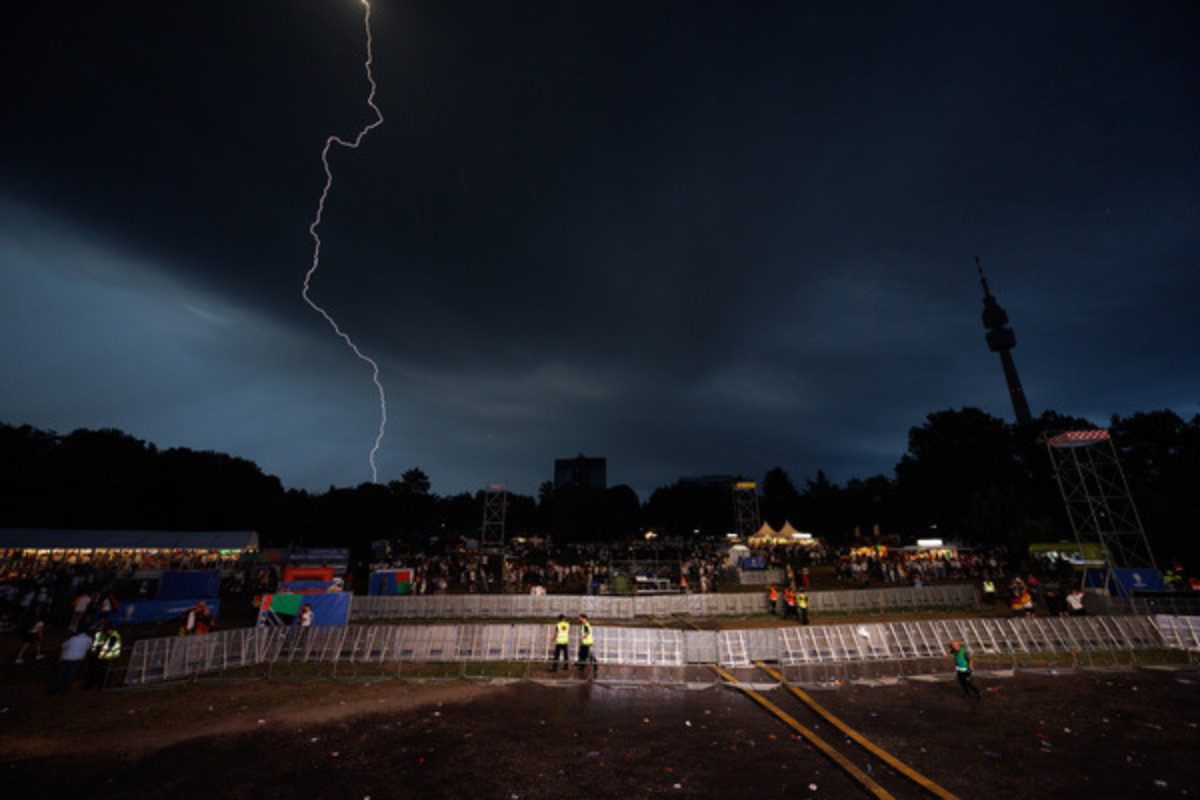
[[500, 606], [468, 650]]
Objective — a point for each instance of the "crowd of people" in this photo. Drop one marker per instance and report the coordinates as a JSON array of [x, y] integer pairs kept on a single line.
[[76, 601], [540, 568]]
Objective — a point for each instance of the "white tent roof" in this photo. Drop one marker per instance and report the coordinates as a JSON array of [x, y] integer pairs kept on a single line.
[[766, 531]]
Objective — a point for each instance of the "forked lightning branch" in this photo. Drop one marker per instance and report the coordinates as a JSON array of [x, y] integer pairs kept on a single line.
[[350, 144]]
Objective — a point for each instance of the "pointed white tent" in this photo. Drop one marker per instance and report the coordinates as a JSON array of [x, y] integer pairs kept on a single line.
[[765, 535]]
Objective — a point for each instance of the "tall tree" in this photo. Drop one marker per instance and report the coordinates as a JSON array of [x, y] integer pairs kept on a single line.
[[780, 500]]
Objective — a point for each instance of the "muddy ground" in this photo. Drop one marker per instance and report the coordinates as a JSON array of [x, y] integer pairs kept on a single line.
[[1085, 734]]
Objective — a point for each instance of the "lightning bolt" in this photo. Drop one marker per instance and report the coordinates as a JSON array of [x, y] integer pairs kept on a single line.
[[316, 223]]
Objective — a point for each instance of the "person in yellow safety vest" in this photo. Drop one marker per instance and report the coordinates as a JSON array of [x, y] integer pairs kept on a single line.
[[802, 601], [989, 592], [562, 638], [772, 598], [586, 640], [106, 648]]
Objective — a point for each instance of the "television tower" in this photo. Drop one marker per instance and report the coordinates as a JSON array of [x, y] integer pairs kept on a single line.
[[1002, 340]]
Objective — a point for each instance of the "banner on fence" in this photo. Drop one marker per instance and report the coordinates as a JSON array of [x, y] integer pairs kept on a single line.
[[391, 582], [286, 609], [142, 612]]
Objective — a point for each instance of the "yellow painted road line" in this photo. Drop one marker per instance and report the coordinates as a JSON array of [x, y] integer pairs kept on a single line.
[[846, 764], [863, 741]]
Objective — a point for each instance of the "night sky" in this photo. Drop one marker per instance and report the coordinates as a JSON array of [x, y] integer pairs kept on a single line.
[[692, 237]]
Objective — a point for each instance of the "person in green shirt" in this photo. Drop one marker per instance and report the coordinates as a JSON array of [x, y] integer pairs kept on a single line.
[[963, 668]]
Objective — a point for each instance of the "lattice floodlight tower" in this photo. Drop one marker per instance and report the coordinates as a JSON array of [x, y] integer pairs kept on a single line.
[[495, 510], [745, 508], [1097, 498]]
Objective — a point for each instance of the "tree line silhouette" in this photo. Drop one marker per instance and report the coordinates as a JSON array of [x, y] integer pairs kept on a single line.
[[965, 475]]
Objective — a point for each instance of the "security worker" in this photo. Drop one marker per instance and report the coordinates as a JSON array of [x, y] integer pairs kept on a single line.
[[772, 598], [789, 601], [586, 640], [963, 667], [106, 648], [562, 637], [989, 592], [802, 601]]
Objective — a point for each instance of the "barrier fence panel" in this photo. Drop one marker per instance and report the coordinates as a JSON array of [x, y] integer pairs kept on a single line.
[[411, 649], [640, 647], [701, 647], [1002, 637], [489, 606], [1179, 633], [732, 650]]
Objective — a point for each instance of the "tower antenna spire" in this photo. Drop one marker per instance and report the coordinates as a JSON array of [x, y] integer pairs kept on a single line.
[[1002, 340]]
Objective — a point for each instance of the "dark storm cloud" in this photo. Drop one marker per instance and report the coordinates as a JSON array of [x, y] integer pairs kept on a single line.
[[694, 238]]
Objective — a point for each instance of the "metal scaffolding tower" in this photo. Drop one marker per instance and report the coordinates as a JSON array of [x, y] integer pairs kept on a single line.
[[745, 508], [495, 511], [491, 537], [1097, 498]]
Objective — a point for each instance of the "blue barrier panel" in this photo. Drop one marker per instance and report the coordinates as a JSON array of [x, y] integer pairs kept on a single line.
[[1138, 580], [143, 612], [182, 585], [391, 582], [285, 609]]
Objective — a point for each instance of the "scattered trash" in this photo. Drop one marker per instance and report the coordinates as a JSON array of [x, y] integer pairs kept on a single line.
[[1066, 730], [335, 754], [646, 720], [990, 754], [593, 754], [812, 787], [314, 739], [678, 786], [262, 722], [1160, 784]]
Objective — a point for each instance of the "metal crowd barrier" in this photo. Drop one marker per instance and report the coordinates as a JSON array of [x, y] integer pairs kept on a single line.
[[983, 637], [390, 647], [958, 594], [500, 606], [1180, 633], [761, 577], [393, 650]]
